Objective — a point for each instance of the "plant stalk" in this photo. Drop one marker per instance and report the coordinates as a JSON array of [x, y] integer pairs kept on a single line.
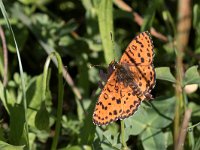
[[124, 146], [60, 95], [183, 29]]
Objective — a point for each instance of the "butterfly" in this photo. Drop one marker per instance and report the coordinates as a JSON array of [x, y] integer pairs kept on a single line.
[[129, 82]]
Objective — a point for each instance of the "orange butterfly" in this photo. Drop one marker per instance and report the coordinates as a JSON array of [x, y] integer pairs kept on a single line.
[[130, 82]]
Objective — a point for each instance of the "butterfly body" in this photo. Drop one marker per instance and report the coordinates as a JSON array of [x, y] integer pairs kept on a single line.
[[129, 82]]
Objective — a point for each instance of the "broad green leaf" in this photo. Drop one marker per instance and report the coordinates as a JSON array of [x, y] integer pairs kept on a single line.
[[108, 139], [6, 146], [161, 113], [158, 116], [163, 73], [99, 134], [112, 138], [42, 118], [168, 139], [17, 121], [135, 124], [191, 76], [153, 139], [34, 97], [105, 20]]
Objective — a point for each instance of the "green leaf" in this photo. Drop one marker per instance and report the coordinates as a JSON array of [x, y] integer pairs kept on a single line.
[[148, 21], [105, 20], [168, 139], [6, 98], [161, 113], [85, 147], [17, 121], [108, 139], [34, 97], [6, 146], [163, 73], [158, 116], [196, 15], [88, 130], [169, 20], [191, 76], [150, 14], [191, 137], [195, 109], [134, 125], [197, 144], [153, 139], [112, 137], [2, 134], [83, 73], [42, 118]]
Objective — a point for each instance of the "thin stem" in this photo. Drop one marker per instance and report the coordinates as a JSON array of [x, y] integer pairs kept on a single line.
[[60, 101], [60, 94], [5, 56], [123, 135], [183, 130], [183, 28], [195, 125]]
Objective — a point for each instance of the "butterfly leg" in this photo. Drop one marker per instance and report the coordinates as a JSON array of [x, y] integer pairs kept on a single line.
[[103, 76], [100, 85], [148, 95], [111, 68]]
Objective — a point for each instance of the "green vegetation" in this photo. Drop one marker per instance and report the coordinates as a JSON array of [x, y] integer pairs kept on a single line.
[[48, 104]]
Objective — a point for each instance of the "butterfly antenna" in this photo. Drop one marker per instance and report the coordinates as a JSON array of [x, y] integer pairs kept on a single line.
[[113, 43], [91, 66]]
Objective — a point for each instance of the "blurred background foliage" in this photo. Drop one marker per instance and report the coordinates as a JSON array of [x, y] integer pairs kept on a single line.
[[85, 33]]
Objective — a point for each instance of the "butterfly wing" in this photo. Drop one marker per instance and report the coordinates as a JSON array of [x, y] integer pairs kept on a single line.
[[107, 109], [139, 57], [139, 51], [115, 102], [145, 78]]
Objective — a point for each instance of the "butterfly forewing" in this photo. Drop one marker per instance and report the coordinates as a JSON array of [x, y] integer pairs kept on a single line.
[[139, 51]]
